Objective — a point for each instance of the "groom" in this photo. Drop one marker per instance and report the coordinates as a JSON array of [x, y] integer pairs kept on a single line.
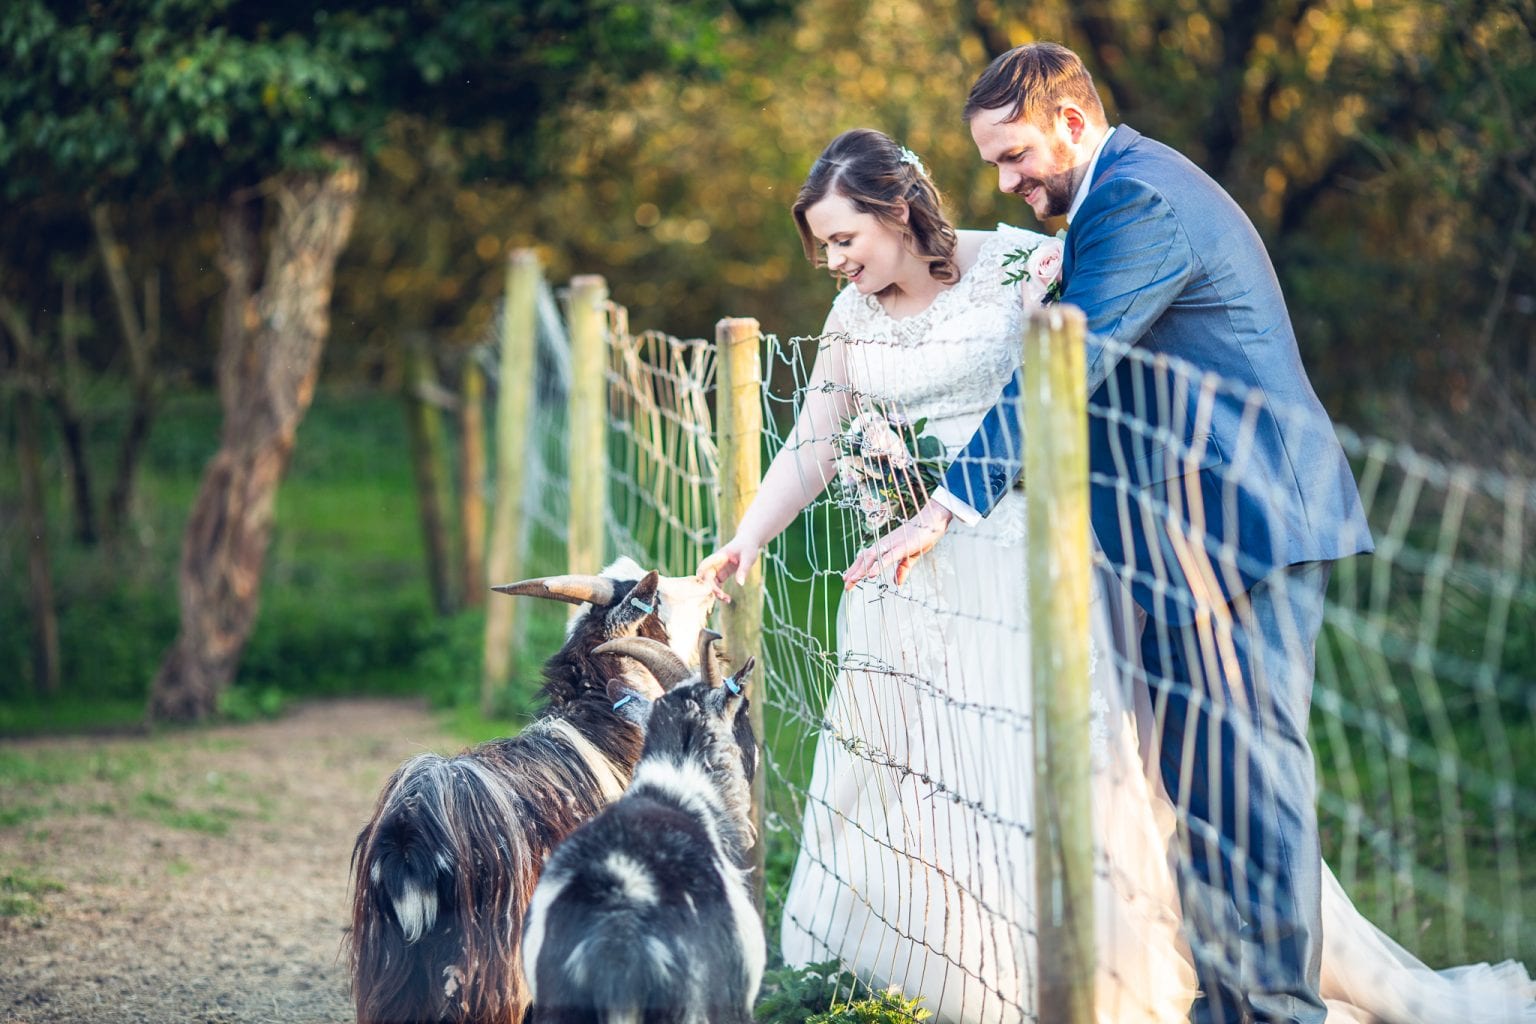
[[1221, 505]]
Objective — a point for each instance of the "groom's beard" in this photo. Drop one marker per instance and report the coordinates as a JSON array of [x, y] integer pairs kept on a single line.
[[1059, 188]]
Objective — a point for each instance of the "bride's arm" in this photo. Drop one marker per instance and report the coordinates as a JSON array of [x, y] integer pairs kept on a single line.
[[801, 469]]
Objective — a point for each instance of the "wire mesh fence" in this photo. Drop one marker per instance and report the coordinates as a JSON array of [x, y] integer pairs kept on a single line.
[[901, 808]]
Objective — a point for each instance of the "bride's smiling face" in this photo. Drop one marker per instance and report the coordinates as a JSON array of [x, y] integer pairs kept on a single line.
[[858, 246]]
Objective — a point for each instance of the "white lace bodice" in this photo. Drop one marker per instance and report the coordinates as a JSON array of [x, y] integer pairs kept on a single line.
[[949, 362]]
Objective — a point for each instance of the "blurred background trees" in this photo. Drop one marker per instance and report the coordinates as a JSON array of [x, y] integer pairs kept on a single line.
[[155, 154]]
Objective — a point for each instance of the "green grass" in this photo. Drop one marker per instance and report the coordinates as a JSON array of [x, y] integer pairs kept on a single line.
[[20, 893], [48, 767], [345, 608]]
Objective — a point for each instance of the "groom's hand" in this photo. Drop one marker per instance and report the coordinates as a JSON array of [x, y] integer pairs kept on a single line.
[[902, 547]]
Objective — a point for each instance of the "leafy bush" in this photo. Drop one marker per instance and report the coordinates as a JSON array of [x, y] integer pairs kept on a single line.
[[249, 703], [826, 994]]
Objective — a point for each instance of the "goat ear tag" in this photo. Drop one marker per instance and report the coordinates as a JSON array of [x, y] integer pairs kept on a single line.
[[737, 683]]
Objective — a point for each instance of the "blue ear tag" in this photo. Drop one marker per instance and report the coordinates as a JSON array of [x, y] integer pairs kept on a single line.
[[623, 700], [732, 685], [647, 608]]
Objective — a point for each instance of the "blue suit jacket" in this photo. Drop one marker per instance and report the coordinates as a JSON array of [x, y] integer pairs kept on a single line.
[[1176, 286]]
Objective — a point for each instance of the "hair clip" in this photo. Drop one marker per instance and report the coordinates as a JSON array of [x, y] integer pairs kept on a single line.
[[909, 157]]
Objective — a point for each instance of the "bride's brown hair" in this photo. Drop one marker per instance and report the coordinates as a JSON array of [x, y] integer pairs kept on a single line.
[[868, 169]]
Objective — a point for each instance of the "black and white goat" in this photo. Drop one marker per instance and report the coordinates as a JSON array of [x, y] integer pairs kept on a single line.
[[645, 913], [444, 871]]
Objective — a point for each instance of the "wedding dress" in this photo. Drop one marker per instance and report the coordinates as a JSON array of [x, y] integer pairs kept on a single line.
[[915, 867]]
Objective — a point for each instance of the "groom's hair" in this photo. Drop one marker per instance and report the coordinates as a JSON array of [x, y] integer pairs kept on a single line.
[[1031, 82]]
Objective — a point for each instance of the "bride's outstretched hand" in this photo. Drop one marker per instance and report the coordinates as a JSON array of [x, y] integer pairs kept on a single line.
[[735, 558], [901, 547]]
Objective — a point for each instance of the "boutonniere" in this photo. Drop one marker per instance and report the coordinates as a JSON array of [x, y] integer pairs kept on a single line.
[[1038, 268]]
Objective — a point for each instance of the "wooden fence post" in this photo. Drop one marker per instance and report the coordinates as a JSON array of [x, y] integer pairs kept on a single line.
[[1059, 563], [424, 424], [587, 423], [514, 425], [739, 440], [472, 482]]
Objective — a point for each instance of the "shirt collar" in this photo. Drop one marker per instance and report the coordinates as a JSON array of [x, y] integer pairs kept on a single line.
[[1087, 182]]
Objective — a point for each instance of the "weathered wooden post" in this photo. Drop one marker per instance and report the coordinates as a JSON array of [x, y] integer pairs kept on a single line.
[[1059, 563], [424, 424], [472, 482], [587, 423], [514, 425], [739, 440]]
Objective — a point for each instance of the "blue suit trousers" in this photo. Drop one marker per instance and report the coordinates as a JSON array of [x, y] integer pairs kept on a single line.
[[1231, 694]]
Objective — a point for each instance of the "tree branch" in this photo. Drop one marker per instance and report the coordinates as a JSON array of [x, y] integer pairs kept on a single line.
[[122, 288]]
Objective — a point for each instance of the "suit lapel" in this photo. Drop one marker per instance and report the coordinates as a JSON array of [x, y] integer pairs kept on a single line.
[[1124, 138]]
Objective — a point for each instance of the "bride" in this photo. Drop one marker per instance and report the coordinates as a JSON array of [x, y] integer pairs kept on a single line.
[[915, 866]]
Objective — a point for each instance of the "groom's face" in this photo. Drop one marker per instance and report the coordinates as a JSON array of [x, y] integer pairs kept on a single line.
[[1040, 165]]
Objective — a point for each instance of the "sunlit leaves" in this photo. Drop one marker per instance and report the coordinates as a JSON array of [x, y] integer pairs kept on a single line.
[[137, 96]]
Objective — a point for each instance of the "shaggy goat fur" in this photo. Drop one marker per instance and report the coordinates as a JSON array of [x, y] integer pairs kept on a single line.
[[444, 870], [645, 913]]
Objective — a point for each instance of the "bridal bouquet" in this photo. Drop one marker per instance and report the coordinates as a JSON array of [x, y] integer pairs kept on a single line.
[[886, 468], [1038, 268]]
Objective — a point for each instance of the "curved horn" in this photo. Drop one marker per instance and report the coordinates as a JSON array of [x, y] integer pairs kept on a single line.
[[707, 663], [656, 656], [571, 589]]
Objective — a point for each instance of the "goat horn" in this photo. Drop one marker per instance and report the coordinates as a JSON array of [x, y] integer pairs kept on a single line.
[[707, 663], [665, 665], [597, 590]]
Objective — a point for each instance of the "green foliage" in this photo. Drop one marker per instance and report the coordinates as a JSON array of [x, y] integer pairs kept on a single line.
[[133, 96], [826, 994], [886, 1008], [249, 703], [346, 609]]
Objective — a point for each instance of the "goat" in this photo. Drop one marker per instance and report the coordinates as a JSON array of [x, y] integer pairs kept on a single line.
[[444, 871], [645, 912]]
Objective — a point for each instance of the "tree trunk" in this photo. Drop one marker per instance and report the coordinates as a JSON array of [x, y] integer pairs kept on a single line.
[[59, 391], [45, 621], [141, 336], [63, 396], [44, 613], [271, 337]]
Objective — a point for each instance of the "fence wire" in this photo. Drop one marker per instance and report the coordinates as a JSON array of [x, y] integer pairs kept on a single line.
[[899, 815]]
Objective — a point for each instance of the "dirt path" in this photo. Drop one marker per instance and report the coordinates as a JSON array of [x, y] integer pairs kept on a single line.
[[193, 877]]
